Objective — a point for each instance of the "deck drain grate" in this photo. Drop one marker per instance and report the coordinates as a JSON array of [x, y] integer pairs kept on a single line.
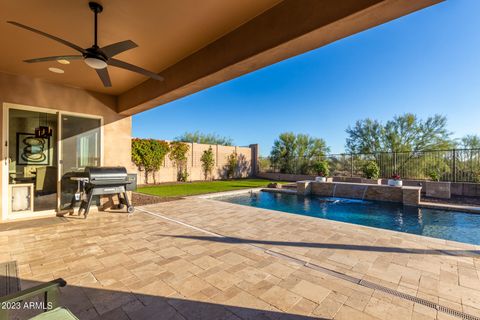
[[338, 274], [424, 302], [372, 285]]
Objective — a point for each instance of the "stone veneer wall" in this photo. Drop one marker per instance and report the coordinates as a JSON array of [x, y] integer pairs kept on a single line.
[[467, 189], [405, 195]]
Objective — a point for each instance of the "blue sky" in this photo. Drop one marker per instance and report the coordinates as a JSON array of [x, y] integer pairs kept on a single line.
[[424, 63]]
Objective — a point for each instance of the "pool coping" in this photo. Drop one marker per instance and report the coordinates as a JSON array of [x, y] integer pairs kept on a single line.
[[449, 207], [448, 242], [225, 193], [422, 204]]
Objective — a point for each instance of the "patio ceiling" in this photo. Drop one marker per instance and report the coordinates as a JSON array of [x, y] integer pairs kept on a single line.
[[193, 46]]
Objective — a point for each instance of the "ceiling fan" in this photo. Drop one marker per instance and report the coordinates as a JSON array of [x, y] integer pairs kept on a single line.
[[95, 57]]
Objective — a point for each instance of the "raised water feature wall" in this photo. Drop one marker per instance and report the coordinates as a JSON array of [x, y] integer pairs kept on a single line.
[[405, 195]]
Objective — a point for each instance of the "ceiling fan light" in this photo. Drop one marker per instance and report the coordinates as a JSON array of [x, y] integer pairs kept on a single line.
[[95, 63]]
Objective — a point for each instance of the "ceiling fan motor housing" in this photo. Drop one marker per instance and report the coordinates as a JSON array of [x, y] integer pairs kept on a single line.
[[95, 7]]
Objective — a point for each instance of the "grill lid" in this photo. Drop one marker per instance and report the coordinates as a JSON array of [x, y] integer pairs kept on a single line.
[[106, 173]]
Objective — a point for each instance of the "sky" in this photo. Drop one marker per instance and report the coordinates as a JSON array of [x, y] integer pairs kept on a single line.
[[425, 63]]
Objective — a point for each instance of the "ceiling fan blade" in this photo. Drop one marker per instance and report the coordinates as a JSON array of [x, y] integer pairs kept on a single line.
[[119, 47], [75, 57], [131, 67], [65, 42], [103, 74]]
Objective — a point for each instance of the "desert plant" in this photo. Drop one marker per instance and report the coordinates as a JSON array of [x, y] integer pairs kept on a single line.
[[232, 164], [321, 168], [264, 164], [182, 175], [208, 162], [178, 154], [149, 155], [371, 170], [434, 175], [294, 153]]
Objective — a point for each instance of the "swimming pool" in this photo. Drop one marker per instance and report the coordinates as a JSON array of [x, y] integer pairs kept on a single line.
[[450, 225]]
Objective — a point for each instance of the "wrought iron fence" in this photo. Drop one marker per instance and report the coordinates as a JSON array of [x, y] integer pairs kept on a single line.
[[457, 165]]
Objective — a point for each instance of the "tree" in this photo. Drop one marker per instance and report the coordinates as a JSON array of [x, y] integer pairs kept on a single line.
[[468, 160], [149, 155], [232, 165], [290, 151], [283, 152], [205, 138], [178, 154], [405, 133], [208, 162], [470, 141]]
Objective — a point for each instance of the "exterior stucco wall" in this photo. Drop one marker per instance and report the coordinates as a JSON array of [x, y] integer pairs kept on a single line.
[[38, 93]]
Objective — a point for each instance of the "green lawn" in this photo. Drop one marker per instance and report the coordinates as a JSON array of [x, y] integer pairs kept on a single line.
[[195, 188]]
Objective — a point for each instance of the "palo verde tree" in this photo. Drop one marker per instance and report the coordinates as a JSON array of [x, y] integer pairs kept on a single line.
[[205, 138], [297, 153], [178, 154], [208, 162], [405, 133], [470, 141], [149, 155]]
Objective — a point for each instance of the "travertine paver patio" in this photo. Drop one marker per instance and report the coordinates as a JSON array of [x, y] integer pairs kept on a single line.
[[147, 267]]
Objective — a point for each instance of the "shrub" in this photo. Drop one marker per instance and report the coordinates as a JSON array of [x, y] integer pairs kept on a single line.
[[208, 162], [182, 175], [321, 168], [437, 169], [433, 175], [371, 170], [178, 154], [232, 164], [149, 155]]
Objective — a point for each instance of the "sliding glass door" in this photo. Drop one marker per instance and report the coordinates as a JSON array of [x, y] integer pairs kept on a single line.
[[80, 146], [32, 161]]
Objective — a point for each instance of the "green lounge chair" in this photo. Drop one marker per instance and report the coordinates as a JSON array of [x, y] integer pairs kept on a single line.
[[49, 291]]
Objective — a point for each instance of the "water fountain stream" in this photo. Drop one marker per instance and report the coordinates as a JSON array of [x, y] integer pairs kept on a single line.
[[364, 192]]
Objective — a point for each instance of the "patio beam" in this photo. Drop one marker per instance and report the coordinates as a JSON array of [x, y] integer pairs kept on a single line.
[[290, 28]]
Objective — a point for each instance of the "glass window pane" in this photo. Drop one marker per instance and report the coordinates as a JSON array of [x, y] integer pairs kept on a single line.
[[80, 148]]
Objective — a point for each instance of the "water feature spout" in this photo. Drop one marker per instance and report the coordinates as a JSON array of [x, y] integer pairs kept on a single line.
[[364, 192], [334, 189]]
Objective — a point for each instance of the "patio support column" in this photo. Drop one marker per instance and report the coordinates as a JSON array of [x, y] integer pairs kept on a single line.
[[254, 159]]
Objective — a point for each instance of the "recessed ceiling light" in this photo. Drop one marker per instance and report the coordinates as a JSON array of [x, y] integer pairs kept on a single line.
[[56, 70], [63, 61]]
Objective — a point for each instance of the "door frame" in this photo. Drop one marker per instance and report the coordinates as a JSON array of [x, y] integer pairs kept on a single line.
[[5, 214]]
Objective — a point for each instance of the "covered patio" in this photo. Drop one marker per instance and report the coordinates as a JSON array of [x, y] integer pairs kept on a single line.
[[145, 54]]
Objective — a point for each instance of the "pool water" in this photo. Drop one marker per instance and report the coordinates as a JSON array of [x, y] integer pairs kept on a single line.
[[450, 225]]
